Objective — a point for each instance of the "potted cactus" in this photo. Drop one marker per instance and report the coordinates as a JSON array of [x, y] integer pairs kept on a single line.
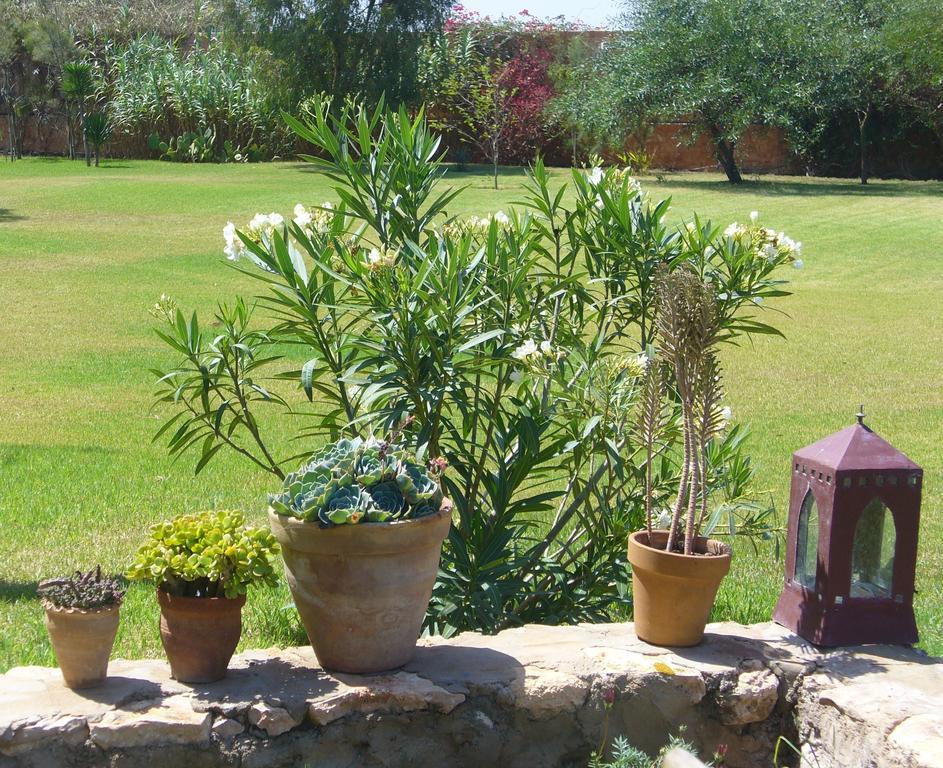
[[676, 572], [202, 565], [82, 619], [361, 526]]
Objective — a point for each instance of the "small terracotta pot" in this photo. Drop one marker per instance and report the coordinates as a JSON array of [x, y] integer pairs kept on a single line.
[[199, 634], [82, 641], [672, 593], [362, 590]]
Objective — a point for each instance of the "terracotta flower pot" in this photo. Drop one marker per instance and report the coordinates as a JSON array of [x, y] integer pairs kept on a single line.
[[672, 593], [362, 590], [199, 634], [82, 641]]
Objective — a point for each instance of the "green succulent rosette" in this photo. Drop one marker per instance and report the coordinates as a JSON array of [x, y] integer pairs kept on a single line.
[[416, 485], [386, 502], [346, 506], [337, 457], [374, 465], [353, 481]]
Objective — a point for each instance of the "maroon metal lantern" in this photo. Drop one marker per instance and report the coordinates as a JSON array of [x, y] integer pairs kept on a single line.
[[851, 558]]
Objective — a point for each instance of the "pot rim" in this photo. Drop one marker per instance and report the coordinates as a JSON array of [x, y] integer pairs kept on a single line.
[[288, 521], [362, 539], [80, 612], [180, 602], [699, 540]]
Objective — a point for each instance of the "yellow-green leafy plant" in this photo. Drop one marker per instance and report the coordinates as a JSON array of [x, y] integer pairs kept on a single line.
[[206, 554]]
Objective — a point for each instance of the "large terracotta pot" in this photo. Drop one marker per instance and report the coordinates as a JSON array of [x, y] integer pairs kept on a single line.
[[82, 641], [199, 634], [672, 593], [362, 590]]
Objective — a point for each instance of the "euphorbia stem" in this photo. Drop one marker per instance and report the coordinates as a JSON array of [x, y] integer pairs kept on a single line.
[[693, 498]]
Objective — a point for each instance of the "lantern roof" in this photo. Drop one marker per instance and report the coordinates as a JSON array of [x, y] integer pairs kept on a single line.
[[855, 447]]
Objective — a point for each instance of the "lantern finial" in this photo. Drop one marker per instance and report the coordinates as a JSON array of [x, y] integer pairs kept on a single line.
[[860, 415]]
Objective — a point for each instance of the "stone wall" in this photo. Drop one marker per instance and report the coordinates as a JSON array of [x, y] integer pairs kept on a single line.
[[536, 696]]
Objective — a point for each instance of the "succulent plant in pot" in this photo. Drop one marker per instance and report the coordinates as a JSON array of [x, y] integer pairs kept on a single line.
[[676, 572], [361, 526], [82, 619], [202, 565]]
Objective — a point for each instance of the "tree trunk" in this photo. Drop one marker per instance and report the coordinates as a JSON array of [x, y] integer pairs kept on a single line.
[[97, 151], [725, 156], [494, 161], [70, 131], [863, 116], [88, 157], [11, 134]]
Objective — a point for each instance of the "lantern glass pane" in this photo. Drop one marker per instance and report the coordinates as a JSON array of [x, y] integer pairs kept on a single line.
[[872, 560], [807, 542]]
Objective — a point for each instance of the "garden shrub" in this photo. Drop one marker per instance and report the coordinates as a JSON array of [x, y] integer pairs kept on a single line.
[[204, 97], [513, 346]]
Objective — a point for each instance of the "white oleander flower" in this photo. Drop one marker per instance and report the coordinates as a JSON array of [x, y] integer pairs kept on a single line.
[[377, 259], [234, 246], [525, 350], [754, 215], [595, 176], [501, 218], [302, 216], [545, 347]]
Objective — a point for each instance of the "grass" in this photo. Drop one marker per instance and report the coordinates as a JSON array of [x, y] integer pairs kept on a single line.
[[85, 252]]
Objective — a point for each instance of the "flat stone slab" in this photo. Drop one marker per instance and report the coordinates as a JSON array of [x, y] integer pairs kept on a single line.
[[535, 695]]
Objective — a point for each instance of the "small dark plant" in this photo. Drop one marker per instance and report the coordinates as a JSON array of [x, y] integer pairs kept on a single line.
[[88, 591]]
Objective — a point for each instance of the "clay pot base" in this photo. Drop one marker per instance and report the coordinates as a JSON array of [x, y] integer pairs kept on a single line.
[[82, 642], [673, 593], [362, 590], [199, 635]]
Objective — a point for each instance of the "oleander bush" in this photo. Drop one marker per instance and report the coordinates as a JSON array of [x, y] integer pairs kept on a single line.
[[512, 346]]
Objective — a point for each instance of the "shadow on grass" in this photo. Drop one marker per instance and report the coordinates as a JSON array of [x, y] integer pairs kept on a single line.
[[807, 187], [14, 591], [8, 215]]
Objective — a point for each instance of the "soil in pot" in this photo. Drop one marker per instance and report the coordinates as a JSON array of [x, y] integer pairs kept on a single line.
[[362, 590], [82, 642], [199, 634], [673, 593]]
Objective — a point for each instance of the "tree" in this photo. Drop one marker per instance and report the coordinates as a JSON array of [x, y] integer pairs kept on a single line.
[[97, 130], [78, 86], [365, 49], [914, 39], [469, 93], [719, 63]]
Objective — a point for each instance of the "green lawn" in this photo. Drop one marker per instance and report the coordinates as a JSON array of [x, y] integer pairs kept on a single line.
[[85, 252]]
